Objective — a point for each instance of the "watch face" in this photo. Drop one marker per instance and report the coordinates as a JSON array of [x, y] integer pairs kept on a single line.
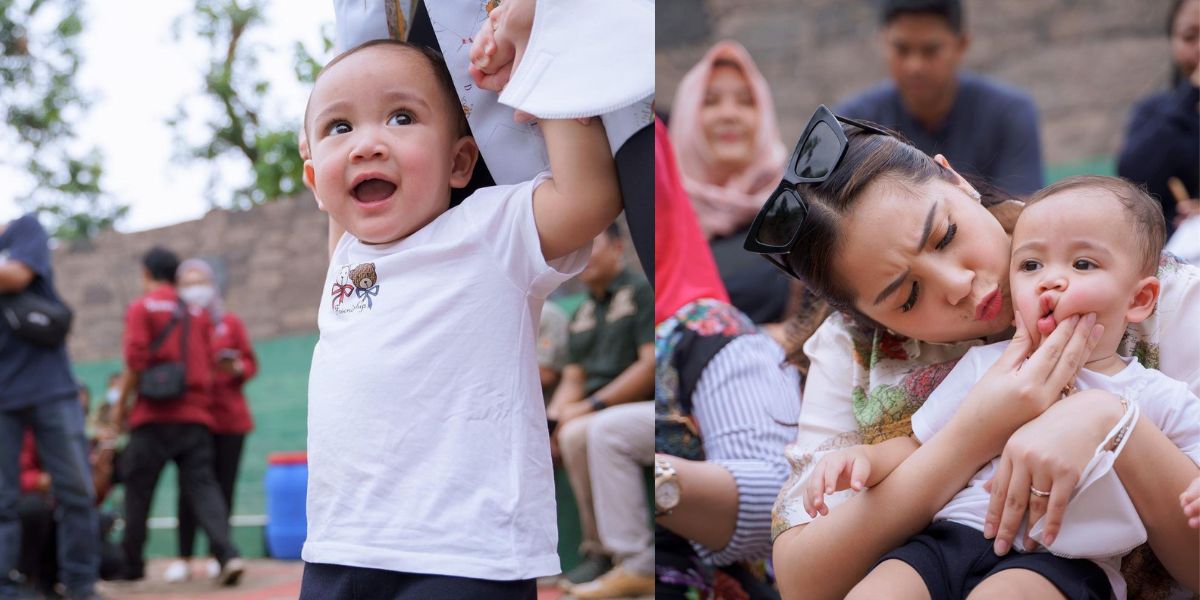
[[666, 495]]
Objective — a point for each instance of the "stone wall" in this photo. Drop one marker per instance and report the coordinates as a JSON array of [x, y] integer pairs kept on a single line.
[[1085, 62], [273, 257]]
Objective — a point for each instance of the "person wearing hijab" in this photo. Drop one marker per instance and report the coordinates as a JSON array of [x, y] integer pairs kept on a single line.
[[235, 365], [730, 158]]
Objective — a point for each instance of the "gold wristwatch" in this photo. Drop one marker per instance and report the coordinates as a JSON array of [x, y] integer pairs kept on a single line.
[[666, 487]]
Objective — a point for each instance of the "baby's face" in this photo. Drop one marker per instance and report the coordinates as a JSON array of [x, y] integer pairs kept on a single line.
[[382, 144], [1074, 253]]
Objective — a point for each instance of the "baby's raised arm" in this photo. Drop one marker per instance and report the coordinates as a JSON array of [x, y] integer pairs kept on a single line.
[[583, 196]]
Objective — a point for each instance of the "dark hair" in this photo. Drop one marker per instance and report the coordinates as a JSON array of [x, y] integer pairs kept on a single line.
[[950, 10], [161, 264], [869, 158], [436, 63], [1177, 75], [1145, 214]]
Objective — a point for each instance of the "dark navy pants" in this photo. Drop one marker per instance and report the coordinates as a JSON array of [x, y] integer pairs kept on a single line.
[[339, 582]]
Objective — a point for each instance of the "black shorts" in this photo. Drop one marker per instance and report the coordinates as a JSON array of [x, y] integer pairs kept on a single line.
[[339, 582], [952, 559]]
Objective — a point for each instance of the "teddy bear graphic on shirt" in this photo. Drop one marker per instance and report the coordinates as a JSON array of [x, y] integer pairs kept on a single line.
[[355, 288]]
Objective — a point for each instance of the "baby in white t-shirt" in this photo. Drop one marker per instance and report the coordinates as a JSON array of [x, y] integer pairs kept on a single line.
[[1084, 245], [427, 441]]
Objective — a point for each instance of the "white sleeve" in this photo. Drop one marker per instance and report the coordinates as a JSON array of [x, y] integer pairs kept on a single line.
[[358, 21], [1175, 411], [502, 216], [1176, 326], [945, 399], [826, 418], [585, 58]]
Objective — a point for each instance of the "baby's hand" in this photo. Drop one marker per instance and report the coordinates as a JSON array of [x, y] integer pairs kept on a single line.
[[1190, 501], [500, 43], [836, 471]]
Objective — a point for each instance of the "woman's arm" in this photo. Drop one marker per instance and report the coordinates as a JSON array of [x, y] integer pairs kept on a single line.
[[832, 553], [1154, 471], [708, 503], [746, 403]]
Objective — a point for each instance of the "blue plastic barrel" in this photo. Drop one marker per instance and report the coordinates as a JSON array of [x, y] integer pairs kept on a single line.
[[287, 483]]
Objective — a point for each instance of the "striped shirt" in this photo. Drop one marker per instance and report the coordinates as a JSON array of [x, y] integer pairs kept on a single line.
[[747, 402]]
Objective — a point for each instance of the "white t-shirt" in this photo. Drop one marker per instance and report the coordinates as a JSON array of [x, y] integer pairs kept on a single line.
[[1104, 527], [427, 442]]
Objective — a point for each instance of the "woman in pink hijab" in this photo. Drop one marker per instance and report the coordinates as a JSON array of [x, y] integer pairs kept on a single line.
[[730, 158], [728, 145]]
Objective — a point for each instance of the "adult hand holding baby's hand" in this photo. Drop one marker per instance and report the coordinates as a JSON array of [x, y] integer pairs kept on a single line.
[[1048, 454], [836, 471], [500, 43]]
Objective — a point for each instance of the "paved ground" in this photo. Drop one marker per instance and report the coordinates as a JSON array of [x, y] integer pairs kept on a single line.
[[264, 580]]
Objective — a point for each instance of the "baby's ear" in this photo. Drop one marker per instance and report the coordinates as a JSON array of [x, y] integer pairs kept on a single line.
[[1145, 297], [310, 181], [462, 161]]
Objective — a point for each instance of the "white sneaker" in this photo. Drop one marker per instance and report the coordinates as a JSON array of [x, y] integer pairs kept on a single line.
[[177, 571], [212, 568]]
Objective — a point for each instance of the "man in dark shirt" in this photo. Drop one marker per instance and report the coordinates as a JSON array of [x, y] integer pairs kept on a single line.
[[610, 360], [983, 127], [175, 429], [38, 391]]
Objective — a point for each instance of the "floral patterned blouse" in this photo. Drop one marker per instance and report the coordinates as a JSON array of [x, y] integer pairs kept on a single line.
[[870, 395]]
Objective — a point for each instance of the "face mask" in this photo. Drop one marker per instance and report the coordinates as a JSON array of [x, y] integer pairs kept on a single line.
[[198, 295]]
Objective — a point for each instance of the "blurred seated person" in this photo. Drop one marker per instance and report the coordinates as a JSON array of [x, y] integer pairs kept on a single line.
[[610, 361], [1160, 141], [551, 347], [730, 158], [985, 128]]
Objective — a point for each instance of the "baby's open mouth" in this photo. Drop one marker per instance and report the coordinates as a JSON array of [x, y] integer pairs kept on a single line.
[[373, 190]]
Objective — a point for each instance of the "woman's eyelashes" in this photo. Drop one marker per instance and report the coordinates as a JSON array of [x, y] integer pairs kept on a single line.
[[948, 237], [912, 297], [915, 291]]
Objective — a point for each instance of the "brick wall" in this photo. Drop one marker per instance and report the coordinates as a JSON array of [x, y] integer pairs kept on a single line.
[[274, 258], [1084, 62]]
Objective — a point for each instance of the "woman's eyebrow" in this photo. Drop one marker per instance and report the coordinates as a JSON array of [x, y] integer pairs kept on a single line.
[[928, 227], [887, 291], [925, 231]]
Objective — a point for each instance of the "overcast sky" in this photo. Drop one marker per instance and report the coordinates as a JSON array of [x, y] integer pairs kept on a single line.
[[137, 75]]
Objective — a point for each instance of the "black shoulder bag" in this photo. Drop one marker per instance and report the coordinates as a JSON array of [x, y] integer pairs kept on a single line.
[[167, 382], [39, 320]]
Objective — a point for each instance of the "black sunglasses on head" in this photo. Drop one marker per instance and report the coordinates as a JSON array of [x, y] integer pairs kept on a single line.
[[820, 150]]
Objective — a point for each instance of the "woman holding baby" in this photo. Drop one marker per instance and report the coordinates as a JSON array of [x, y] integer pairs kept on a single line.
[[920, 258]]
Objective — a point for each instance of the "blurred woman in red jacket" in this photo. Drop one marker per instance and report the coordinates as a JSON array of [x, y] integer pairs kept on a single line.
[[235, 364]]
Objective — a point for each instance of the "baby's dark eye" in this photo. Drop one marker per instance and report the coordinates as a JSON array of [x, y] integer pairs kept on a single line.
[[1083, 264], [1029, 266], [401, 118], [337, 127], [912, 298]]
